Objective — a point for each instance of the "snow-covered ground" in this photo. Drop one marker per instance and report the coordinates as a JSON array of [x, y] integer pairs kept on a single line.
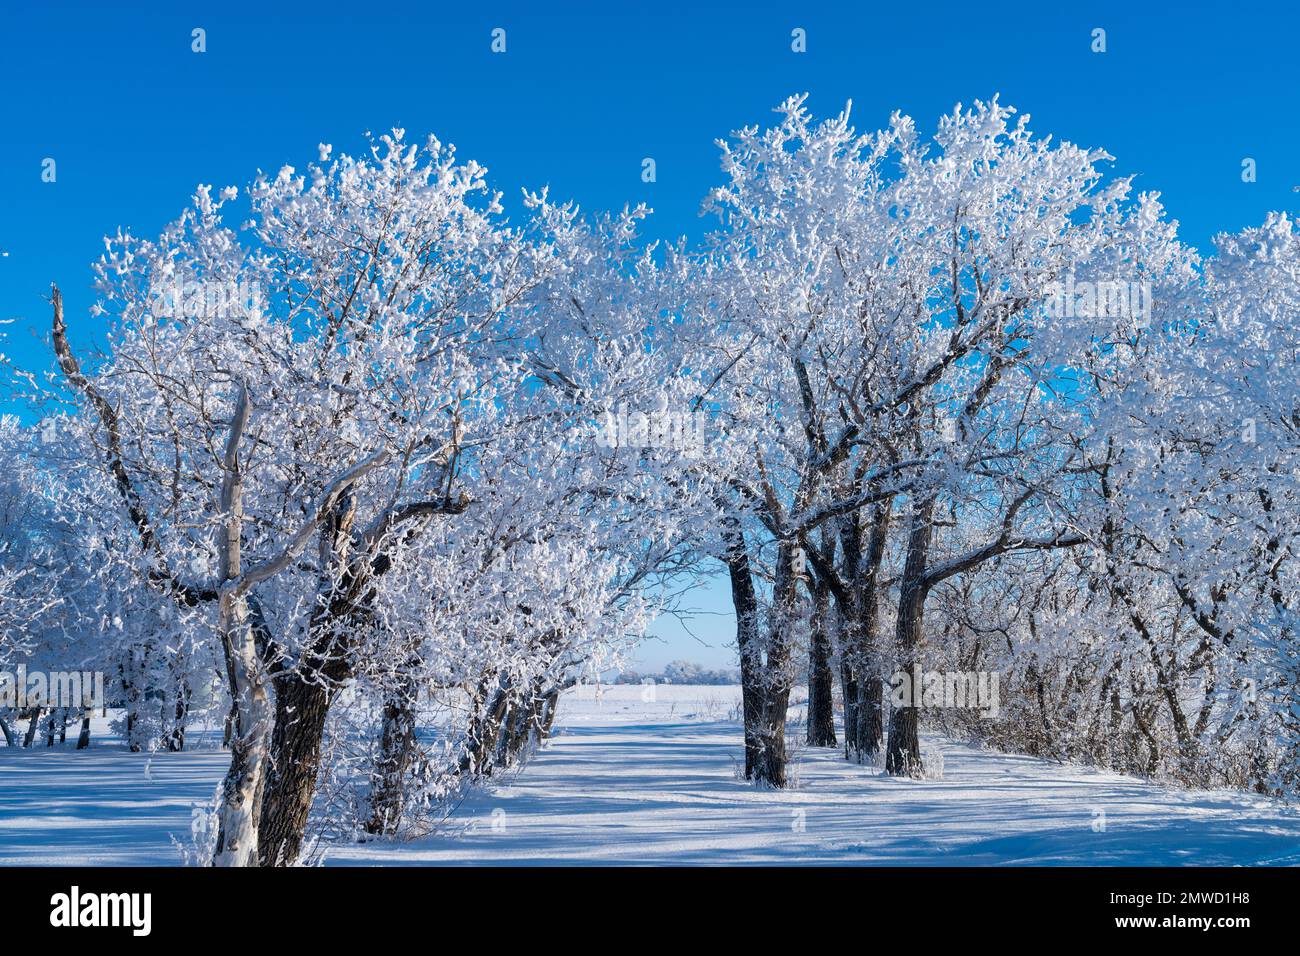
[[635, 781]]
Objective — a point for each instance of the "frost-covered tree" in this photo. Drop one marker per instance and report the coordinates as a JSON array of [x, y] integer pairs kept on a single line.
[[303, 427], [893, 310], [278, 415], [380, 474], [1166, 645]]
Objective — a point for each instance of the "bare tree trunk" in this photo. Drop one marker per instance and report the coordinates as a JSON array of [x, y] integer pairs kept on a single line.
[[904, 755], [548, 720], [871, 715], [396, 746], [847, 613], [821, 709], [131, 702], [175, 740], [745, 601], [301, 707], [514, 731], [870, 679], [228, 726], [849, 691], [770, 763], [237, 836], [237, 811], [31, 727], [9, 737], [485, 727], [83, 739], [524, 726], [770, 767], [303, 696]]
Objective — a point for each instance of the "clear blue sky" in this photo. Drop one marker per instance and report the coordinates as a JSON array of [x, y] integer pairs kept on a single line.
[[134, 119]]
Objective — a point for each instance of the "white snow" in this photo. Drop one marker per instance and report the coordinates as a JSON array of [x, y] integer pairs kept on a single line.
[[653, 782]]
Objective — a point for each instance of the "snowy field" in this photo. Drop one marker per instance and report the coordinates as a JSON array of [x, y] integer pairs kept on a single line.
[[631, 781]]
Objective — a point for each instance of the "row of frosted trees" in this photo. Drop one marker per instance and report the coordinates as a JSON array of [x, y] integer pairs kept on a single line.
[[364, 466], [999, 419]]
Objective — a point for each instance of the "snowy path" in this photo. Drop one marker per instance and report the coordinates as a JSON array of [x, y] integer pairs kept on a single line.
[[646, 783], [617, 787]]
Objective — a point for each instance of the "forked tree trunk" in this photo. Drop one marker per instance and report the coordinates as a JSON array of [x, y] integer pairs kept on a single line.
[[765, 680], [8, 734], [303, 696]]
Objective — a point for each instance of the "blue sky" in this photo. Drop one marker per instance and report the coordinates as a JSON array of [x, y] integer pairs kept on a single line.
[[584, 92]]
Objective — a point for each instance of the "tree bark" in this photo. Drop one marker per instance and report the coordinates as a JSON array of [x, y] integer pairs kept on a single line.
[[870, 677], [31, 727], [301, 707], [548, 721], [83, 738], [396, 746], [849, 691], [303, 695], [745, 602], [228, 726], [485, 727], [847, 613], [528, 724], [518, 730], [904, 755], [237, 812], [770, 765], [175, 741], [821, 710], [131, 701], [8, 734]]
